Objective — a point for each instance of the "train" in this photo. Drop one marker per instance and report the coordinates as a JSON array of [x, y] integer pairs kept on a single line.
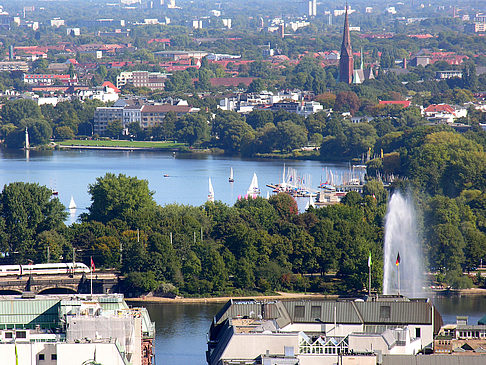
[[44, 269]]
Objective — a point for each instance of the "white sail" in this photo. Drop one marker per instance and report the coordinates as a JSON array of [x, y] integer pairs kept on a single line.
[[231, 178], [253, 190], [311, 203], [72, 204], [211, 192]]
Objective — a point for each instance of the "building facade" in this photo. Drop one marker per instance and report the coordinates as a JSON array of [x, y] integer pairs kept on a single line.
[[74, 329], [321, 331]]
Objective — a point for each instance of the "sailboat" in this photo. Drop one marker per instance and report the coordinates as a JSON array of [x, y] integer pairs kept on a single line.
[[253, 190], [211, 192], [231, 179], [72, 204]]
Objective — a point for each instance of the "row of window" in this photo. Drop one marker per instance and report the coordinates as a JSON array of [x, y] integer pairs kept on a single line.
[[319, 350], [475, 334]]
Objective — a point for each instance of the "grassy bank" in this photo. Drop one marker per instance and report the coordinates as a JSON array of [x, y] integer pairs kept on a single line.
[[121, 143]]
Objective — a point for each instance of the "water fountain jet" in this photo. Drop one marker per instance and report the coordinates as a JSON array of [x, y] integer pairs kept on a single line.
[[401, 238]]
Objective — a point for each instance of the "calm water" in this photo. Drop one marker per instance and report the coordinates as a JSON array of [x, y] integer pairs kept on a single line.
[[70, 173], [182, 328]]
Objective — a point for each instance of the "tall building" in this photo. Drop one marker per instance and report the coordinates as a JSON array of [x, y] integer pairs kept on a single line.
[[346, 65], [312, 11]]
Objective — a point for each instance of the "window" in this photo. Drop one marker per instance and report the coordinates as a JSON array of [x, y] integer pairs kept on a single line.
[[42, 357], [385, 311], [299, 311], [21, 334], [8, 335], [417, 332], [53, 356], [316, 311]]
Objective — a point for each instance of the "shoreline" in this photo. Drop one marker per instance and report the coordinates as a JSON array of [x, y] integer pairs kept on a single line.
[[182, 300]]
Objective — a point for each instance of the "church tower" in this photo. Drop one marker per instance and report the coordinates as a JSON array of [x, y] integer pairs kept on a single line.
[[346, 65]]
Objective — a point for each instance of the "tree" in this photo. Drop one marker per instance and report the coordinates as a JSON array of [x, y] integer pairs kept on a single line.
[[327, 100], [119, 197], [347, 101], [258, 118], [28, 210], [232, 131], [17, 110], [192, 128], [64, 133], [114, 129], [290, 136], [285, 205], [256, 86]]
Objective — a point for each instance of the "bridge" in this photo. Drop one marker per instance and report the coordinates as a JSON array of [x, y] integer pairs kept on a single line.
[[59, 284]]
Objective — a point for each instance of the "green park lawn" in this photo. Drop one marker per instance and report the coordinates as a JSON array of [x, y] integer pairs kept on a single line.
[[118, 143]]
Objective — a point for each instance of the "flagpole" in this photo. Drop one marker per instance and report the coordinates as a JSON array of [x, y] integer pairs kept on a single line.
[[398, 270], [91, 281], [398, 267], [369, 277]]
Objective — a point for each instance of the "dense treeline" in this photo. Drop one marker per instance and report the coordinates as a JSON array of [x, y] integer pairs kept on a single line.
[[265, 245], [45, 122]]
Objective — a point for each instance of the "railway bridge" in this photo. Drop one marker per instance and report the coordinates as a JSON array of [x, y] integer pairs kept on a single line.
[[59, 284]]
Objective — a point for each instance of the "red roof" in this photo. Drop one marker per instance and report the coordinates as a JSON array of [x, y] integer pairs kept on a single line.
[[111, 86], [435, 108], [404, 103], [159, 40]]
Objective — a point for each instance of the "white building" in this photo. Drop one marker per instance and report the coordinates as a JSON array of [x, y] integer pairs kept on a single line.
[[312, 8], [322, 332], [57, 22], [227, 23], [73, 31], [299, 24], [309, 107], [74, 329]]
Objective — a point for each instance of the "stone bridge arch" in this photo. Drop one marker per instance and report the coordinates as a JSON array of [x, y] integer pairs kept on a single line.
[[57, 290], [10, 292]]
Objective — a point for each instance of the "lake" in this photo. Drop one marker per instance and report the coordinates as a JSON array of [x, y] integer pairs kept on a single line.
[[182, 328], [71, 171]]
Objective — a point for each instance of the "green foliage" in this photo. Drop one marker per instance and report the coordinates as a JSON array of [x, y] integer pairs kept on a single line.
[[119, 197], [141, 282], [27, 210]]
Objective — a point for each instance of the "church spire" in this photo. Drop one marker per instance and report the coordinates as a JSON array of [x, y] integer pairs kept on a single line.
[[346, 45], [346, 65]]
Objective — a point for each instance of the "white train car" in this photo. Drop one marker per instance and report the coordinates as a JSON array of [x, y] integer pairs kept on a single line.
[[44, 269]]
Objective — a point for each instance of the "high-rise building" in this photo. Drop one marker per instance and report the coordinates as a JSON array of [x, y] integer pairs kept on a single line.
[[312, 8], [346, 65]]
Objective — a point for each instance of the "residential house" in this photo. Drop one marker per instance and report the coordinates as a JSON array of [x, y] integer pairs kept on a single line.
[[443, 113]]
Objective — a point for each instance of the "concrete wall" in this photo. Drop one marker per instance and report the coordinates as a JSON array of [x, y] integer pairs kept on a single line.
[[342, 329], [333, 360], [76, 354], [249, 346]]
